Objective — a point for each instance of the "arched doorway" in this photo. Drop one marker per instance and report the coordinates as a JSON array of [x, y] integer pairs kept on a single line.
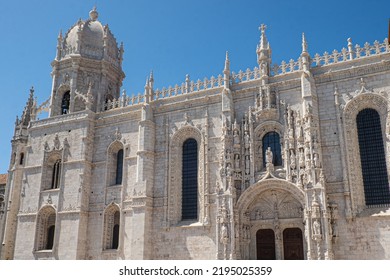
[[293, 244], [265, 244]]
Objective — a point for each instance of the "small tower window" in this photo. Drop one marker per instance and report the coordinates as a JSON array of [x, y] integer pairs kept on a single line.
[[55, 182], [65, 103], [21, 159]]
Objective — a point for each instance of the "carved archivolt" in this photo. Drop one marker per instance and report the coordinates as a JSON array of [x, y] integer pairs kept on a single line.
[[286, 194], [175, 172], [46, 218], [351, 109], [111, 218]]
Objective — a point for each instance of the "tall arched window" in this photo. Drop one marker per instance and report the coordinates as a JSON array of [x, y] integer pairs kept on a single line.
[[45, 229], [50, 237], [190, 180], [115, 231], [272, 140], [21, 159], [55, 181], [372, 157], [119, 167], [111, 227], [65, 103]]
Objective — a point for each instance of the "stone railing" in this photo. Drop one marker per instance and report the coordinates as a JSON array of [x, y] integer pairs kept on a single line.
[[246, 76], [346, 54], [185, 88], [350, 53]]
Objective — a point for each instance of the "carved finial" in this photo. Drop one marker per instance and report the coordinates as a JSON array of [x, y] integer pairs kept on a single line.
[[304, 44], [227, 63], [263, 39], [151, 79], [147, 82], [32, 91], [93, 14]]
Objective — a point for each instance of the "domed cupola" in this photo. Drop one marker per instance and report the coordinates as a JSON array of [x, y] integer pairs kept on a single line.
[[87, 69], [90, 39]]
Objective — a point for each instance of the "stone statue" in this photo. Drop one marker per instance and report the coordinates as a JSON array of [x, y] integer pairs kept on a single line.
[[316, 227], [269, 156], [246, 140], [301, 159], [292, 160], [316, 161], [224, 234], [236, 137], [237, 161]]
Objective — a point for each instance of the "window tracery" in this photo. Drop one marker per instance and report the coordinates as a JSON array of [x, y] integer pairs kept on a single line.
[[45, 233], [111, 227]]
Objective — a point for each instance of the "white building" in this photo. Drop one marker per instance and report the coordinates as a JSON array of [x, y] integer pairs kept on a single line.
[[281, 162]]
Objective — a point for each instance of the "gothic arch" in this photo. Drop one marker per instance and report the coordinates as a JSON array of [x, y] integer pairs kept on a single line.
[[52, 170], [112, 164], [175, 171], [45, 228], [354, 169], [111, 227], [256, 190], [271, 204], [260, 131], [56, 105]]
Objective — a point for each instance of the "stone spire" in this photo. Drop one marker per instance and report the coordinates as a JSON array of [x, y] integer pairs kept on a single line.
[[29, 111], [59, 46], [263, 39], [305, 55], [263, 52], [226, 71], [151, 80]]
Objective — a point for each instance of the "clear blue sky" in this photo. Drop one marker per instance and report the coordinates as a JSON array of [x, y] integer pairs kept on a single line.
[[173, 38]]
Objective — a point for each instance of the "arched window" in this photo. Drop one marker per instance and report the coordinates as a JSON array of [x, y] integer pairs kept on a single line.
[[372, 157], [190, 180], [45, 229], [111, 227], [50, 237], [115, 231], [108, 102], [21, 159], [119, 167], [272, 140], [55, 181], [65, 103]]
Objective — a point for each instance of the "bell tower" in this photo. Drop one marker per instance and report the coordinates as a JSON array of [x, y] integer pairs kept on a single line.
[[87, 69]]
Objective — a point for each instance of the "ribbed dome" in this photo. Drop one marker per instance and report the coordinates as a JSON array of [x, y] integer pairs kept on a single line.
[[87, 38]]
